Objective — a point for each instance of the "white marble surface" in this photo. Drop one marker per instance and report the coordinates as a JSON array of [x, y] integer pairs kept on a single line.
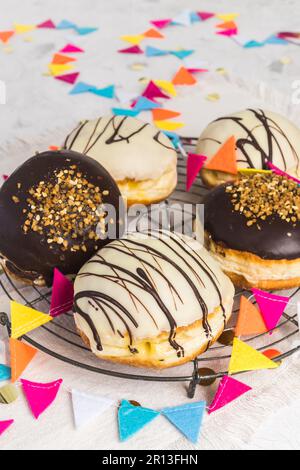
[[39, 112]]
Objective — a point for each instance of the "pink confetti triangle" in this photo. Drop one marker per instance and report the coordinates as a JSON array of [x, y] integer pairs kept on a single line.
[[40, 396], [5, 425], [62, 294], [228, 32], [5, 177], [279, 172], [271, 306], [47, 24], [160, 24], [69, 48], [131, 50], [229, 389], [197, 70], [153, 91], [68, 77], [205, 15], [194, 164]]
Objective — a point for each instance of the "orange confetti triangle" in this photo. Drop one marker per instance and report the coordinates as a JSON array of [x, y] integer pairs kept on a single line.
[[20, 356], [160, 114], [271, 353], [62, 59], [183, 77], [153, 33], [250, 321], [225, 158], [227, 25], [6, 35]]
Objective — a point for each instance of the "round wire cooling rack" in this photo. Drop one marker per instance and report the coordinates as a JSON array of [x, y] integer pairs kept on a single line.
[[60, 339]]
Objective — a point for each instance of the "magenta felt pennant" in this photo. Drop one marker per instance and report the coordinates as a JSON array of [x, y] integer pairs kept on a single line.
[[68, 77], [279, 172], [62, 294], [40, 396], [160, 24], [153, 91], [194, 164], [271, 306], [5, 425], [47, 24], [229, 389], [228, 32], [131, 50], [69, 48]]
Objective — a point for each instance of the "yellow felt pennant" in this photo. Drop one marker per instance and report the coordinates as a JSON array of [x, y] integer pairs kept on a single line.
[[134, 39], [24, 319], [168, 125], [24, 28], [227, 16], [244, 357], [166, 86], [59, 69]]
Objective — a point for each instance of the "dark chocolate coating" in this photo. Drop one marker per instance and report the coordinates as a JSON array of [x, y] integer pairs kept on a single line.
[[28, 255], [229, 228]]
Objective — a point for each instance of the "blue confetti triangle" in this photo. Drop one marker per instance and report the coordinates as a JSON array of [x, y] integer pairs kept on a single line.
[[173, 137], [183, 53], [124, 112], [85, 30], [253, 43], [65, 24], [144, 104], [107, 92], [5, 372], [81, 87], [187, 418], [194, 17], [154, 52], [133, 418], [275, 40]]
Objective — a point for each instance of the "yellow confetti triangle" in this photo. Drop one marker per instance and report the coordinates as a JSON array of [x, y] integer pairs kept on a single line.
[[168, 125], [24, 28], [244, 357], [213, 97], [250, 171], [133, 39], [166, 86], [58, 69], [227, 16], [24, 319]]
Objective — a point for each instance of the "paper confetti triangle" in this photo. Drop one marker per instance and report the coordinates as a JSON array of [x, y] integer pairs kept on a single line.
[[195, 17], [155, 52], [47, 24], [58, 69], [227, 16], [271, 306], [24, 28], [228, 32], [6, 35], [288, 34], [227, 25], [183, 77], [65, 24], [4, 425], [187, 418], [5, 372], [250, 321], [62, 59], [153, 91], [106, 92], [25, 319], [183, 53], [183, 19], [194, 164], [246, 358], [86, 407], [21, 355], [62, 294], [153, 33], [229, 390], [168, 125], [134, 39], [81, 87], [124, 112], [70, 48], [131, 50], [166, 86], [271, 353], [275, 40], [68, 77], [252, 43], [40, 395], [144, 104], [85, 30], [160, 24], [205, 15], [161, 114], [225, 158], [133, 418]]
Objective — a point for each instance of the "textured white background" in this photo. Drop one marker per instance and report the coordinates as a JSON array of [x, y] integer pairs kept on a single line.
[[39, 112]]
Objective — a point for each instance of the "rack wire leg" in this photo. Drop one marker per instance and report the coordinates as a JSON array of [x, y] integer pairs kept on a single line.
[[195, 380]]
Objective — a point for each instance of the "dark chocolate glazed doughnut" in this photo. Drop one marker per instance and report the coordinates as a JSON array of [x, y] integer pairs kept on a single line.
[[53, 214]]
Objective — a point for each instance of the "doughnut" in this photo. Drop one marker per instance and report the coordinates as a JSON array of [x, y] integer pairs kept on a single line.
[[52, 210], [140, 157], [252, 228], [261, 137], [151, 300]]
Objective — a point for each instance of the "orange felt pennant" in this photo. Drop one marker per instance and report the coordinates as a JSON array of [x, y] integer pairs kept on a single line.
[[227, 25], [250, 321], [183, 77], [6, 35], [225, 158], [153, 33], [160, 114], [20, 356], [62, 59]]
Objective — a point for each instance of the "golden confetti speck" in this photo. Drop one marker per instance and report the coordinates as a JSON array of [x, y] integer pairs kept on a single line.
[[285, 60], [137, 66], [213, 97]]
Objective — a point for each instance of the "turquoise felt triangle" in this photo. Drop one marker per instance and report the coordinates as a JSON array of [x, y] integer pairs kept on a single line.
[[187, 418], [133, 418], [107, 92], [5, 372]]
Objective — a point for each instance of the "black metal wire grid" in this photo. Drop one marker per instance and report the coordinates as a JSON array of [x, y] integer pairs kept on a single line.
[[60, 339]]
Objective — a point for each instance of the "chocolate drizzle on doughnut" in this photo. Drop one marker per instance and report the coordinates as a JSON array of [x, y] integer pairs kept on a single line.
[[149, 261]]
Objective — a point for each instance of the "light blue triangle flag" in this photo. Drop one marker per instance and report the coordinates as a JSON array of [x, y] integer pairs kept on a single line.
[[194, 17], [5, 372], [66, 24], [187, 418], [107, 92], [183, 53], [85, 30], [144, 104], [275, 40], [253, 43], [124, 112], [82, 87], [133, 418], [154, 51], [174, 137]]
